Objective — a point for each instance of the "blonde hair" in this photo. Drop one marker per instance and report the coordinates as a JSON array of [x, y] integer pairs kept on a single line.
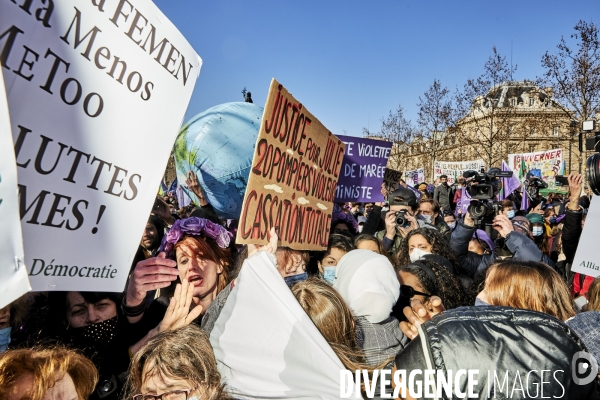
[[593, 296], [183, 353], [332, 317], [47, 366], [529, 285]]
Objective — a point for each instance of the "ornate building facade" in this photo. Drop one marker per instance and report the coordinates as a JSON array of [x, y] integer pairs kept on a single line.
[[514, 117]]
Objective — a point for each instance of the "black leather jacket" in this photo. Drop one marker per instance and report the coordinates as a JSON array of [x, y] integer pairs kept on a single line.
[[496, 341]]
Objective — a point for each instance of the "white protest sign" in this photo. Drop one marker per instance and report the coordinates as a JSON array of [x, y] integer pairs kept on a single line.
[[97, 91], [414, 177], [587, 258], [453, 170], [13, 274]]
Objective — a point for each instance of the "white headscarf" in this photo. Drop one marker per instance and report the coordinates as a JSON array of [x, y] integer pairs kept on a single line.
[[368, 283]]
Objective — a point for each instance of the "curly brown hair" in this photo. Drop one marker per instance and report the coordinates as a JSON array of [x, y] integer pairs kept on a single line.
[[445, 285], [439, 246]]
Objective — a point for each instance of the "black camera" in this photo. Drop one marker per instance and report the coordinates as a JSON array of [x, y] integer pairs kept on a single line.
[[401, 219], [484, 186], [593, 173]]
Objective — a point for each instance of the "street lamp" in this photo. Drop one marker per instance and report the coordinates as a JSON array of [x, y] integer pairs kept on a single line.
[[572, 126]]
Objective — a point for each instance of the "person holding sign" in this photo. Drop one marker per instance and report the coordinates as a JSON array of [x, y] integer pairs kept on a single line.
[[199, 249]]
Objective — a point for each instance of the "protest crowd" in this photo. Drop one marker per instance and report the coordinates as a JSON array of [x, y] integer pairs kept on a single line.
[[416, 264], [283, 261]]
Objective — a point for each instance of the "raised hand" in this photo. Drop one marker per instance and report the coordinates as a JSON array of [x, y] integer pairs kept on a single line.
[[194, 185], [180, 312], [575, 182], [418, 313], [151, 274]]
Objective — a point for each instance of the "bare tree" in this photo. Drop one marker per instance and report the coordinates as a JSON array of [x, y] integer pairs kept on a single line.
[[486, 107], [435, 110], [398, 130], [574, 72]]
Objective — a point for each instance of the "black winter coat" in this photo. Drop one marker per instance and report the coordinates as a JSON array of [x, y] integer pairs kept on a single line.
[[500, 340]]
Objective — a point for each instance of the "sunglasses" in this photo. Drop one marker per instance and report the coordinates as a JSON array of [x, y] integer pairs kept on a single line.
[[409, 292]]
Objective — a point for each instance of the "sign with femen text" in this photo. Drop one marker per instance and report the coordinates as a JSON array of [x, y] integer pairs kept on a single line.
[[363, 169], [13, 273], [96, 91], [293, 178]]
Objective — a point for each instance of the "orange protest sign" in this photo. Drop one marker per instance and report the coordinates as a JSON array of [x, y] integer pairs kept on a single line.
[[293, 178]]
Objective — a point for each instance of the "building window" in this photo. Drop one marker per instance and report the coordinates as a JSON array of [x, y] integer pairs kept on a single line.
[[531, 148], [513, 102], [531, 102], [555, 131]]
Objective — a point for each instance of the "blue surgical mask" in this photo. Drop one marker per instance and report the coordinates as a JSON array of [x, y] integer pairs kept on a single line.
[[510, 214], [4, 338], [479, 302], [293, 279], [329, 274], [537, 231]]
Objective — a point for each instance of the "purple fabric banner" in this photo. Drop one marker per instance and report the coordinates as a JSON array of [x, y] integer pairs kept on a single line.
[[509, 185], [463, 203], [363, 169]]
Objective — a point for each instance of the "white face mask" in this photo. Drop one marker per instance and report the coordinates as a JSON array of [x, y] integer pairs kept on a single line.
[[417, 254], [426, 218], [452, 225]]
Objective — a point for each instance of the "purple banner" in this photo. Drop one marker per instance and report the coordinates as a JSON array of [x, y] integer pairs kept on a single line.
[[363, 169]]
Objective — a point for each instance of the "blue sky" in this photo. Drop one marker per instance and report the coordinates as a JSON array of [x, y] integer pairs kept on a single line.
[[351, 62]]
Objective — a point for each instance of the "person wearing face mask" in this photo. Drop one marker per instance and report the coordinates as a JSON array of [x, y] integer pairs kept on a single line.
[[92, 323], [422, 242], [430, 213], [450, 220], [508, 208], [326, 261], [539, 233]]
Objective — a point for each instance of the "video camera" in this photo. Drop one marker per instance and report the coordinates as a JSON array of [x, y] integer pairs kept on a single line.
[[482, 187]]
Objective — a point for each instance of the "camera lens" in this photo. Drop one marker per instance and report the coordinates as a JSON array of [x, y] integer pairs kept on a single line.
[[593, 173]]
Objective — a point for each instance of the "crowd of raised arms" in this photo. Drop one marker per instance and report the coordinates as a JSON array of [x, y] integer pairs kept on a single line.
[[412, 283]]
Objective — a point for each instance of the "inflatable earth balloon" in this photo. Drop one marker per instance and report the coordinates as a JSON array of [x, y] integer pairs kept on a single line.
[[218, 145]]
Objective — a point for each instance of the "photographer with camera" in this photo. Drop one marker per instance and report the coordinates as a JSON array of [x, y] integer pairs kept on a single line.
[[514, 245], [400, 219]]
